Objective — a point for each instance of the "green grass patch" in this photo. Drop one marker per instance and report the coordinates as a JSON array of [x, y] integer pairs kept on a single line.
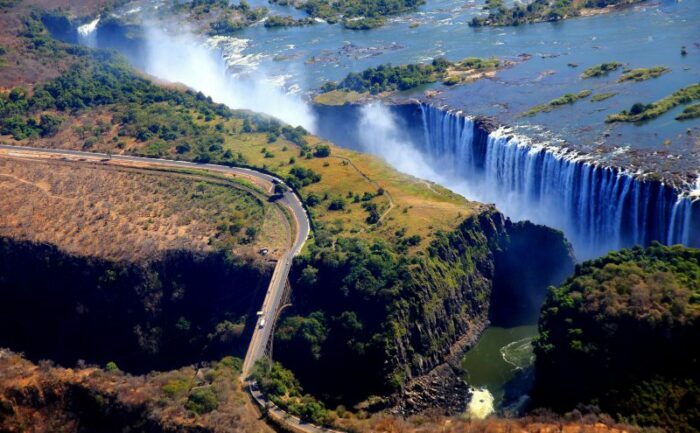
[[689, 112], [643, 74], [339, 97], [567, 99], [640, 112], [602, 96], [601, 70]]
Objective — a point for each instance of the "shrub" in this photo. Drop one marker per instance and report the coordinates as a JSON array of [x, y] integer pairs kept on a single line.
[[337, 203], [202, 400]]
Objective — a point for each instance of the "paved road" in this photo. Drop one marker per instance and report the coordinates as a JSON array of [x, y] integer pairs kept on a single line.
[[279, 277], [275, 290]]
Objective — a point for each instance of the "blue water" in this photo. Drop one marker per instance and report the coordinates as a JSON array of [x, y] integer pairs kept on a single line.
[[597, 209]]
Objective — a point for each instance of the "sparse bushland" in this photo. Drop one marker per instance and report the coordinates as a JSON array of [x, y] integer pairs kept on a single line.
[[354, 14], [567, 99], [47, 399], [388, 78], [543, 11], [643, 74], [622, 334], [689, 112], [601, 70], [125, 214], [640, 112]]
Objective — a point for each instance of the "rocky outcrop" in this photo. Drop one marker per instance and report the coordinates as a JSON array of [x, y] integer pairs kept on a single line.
[[443, 390]]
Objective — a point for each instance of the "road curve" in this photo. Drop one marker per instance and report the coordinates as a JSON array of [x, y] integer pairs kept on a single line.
[[275, 290]]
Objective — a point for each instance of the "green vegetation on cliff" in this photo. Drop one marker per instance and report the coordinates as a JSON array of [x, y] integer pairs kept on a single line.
[[367, 315], [622, 333], [640, 112], [283, 389], [542, 11]]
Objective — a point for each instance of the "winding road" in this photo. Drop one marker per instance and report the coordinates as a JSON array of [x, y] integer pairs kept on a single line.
[[289, 200], [276, 287]]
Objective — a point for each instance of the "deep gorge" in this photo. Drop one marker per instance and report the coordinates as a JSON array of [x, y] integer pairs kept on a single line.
[[173, 310]]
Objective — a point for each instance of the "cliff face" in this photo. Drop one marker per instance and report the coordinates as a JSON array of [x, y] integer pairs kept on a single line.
[[488, 264], [373, 320], [172, 310]]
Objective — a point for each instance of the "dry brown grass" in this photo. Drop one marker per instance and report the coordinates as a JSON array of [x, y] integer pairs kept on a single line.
[[36, 395], [122, 213], [38, 398]]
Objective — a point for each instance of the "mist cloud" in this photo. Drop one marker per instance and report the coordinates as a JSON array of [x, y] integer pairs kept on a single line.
[[185, 59]]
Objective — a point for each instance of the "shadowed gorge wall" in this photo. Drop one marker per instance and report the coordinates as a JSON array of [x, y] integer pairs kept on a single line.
[[373, 320], [176, 309]]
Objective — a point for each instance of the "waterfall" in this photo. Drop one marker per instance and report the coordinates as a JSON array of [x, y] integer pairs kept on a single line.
[[599, 208], [86, 33]]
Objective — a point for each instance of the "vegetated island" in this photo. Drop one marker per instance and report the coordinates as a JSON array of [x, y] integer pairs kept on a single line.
[[602, 96], [561, 101], [640, 112], [544, 11], [689, 112], [354, 14], [600, 70], [287, 21], [643, 74], [385, 79], [622, 334]]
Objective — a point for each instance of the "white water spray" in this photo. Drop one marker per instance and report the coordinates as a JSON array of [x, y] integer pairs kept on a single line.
[[184, 59], [86, 33]]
